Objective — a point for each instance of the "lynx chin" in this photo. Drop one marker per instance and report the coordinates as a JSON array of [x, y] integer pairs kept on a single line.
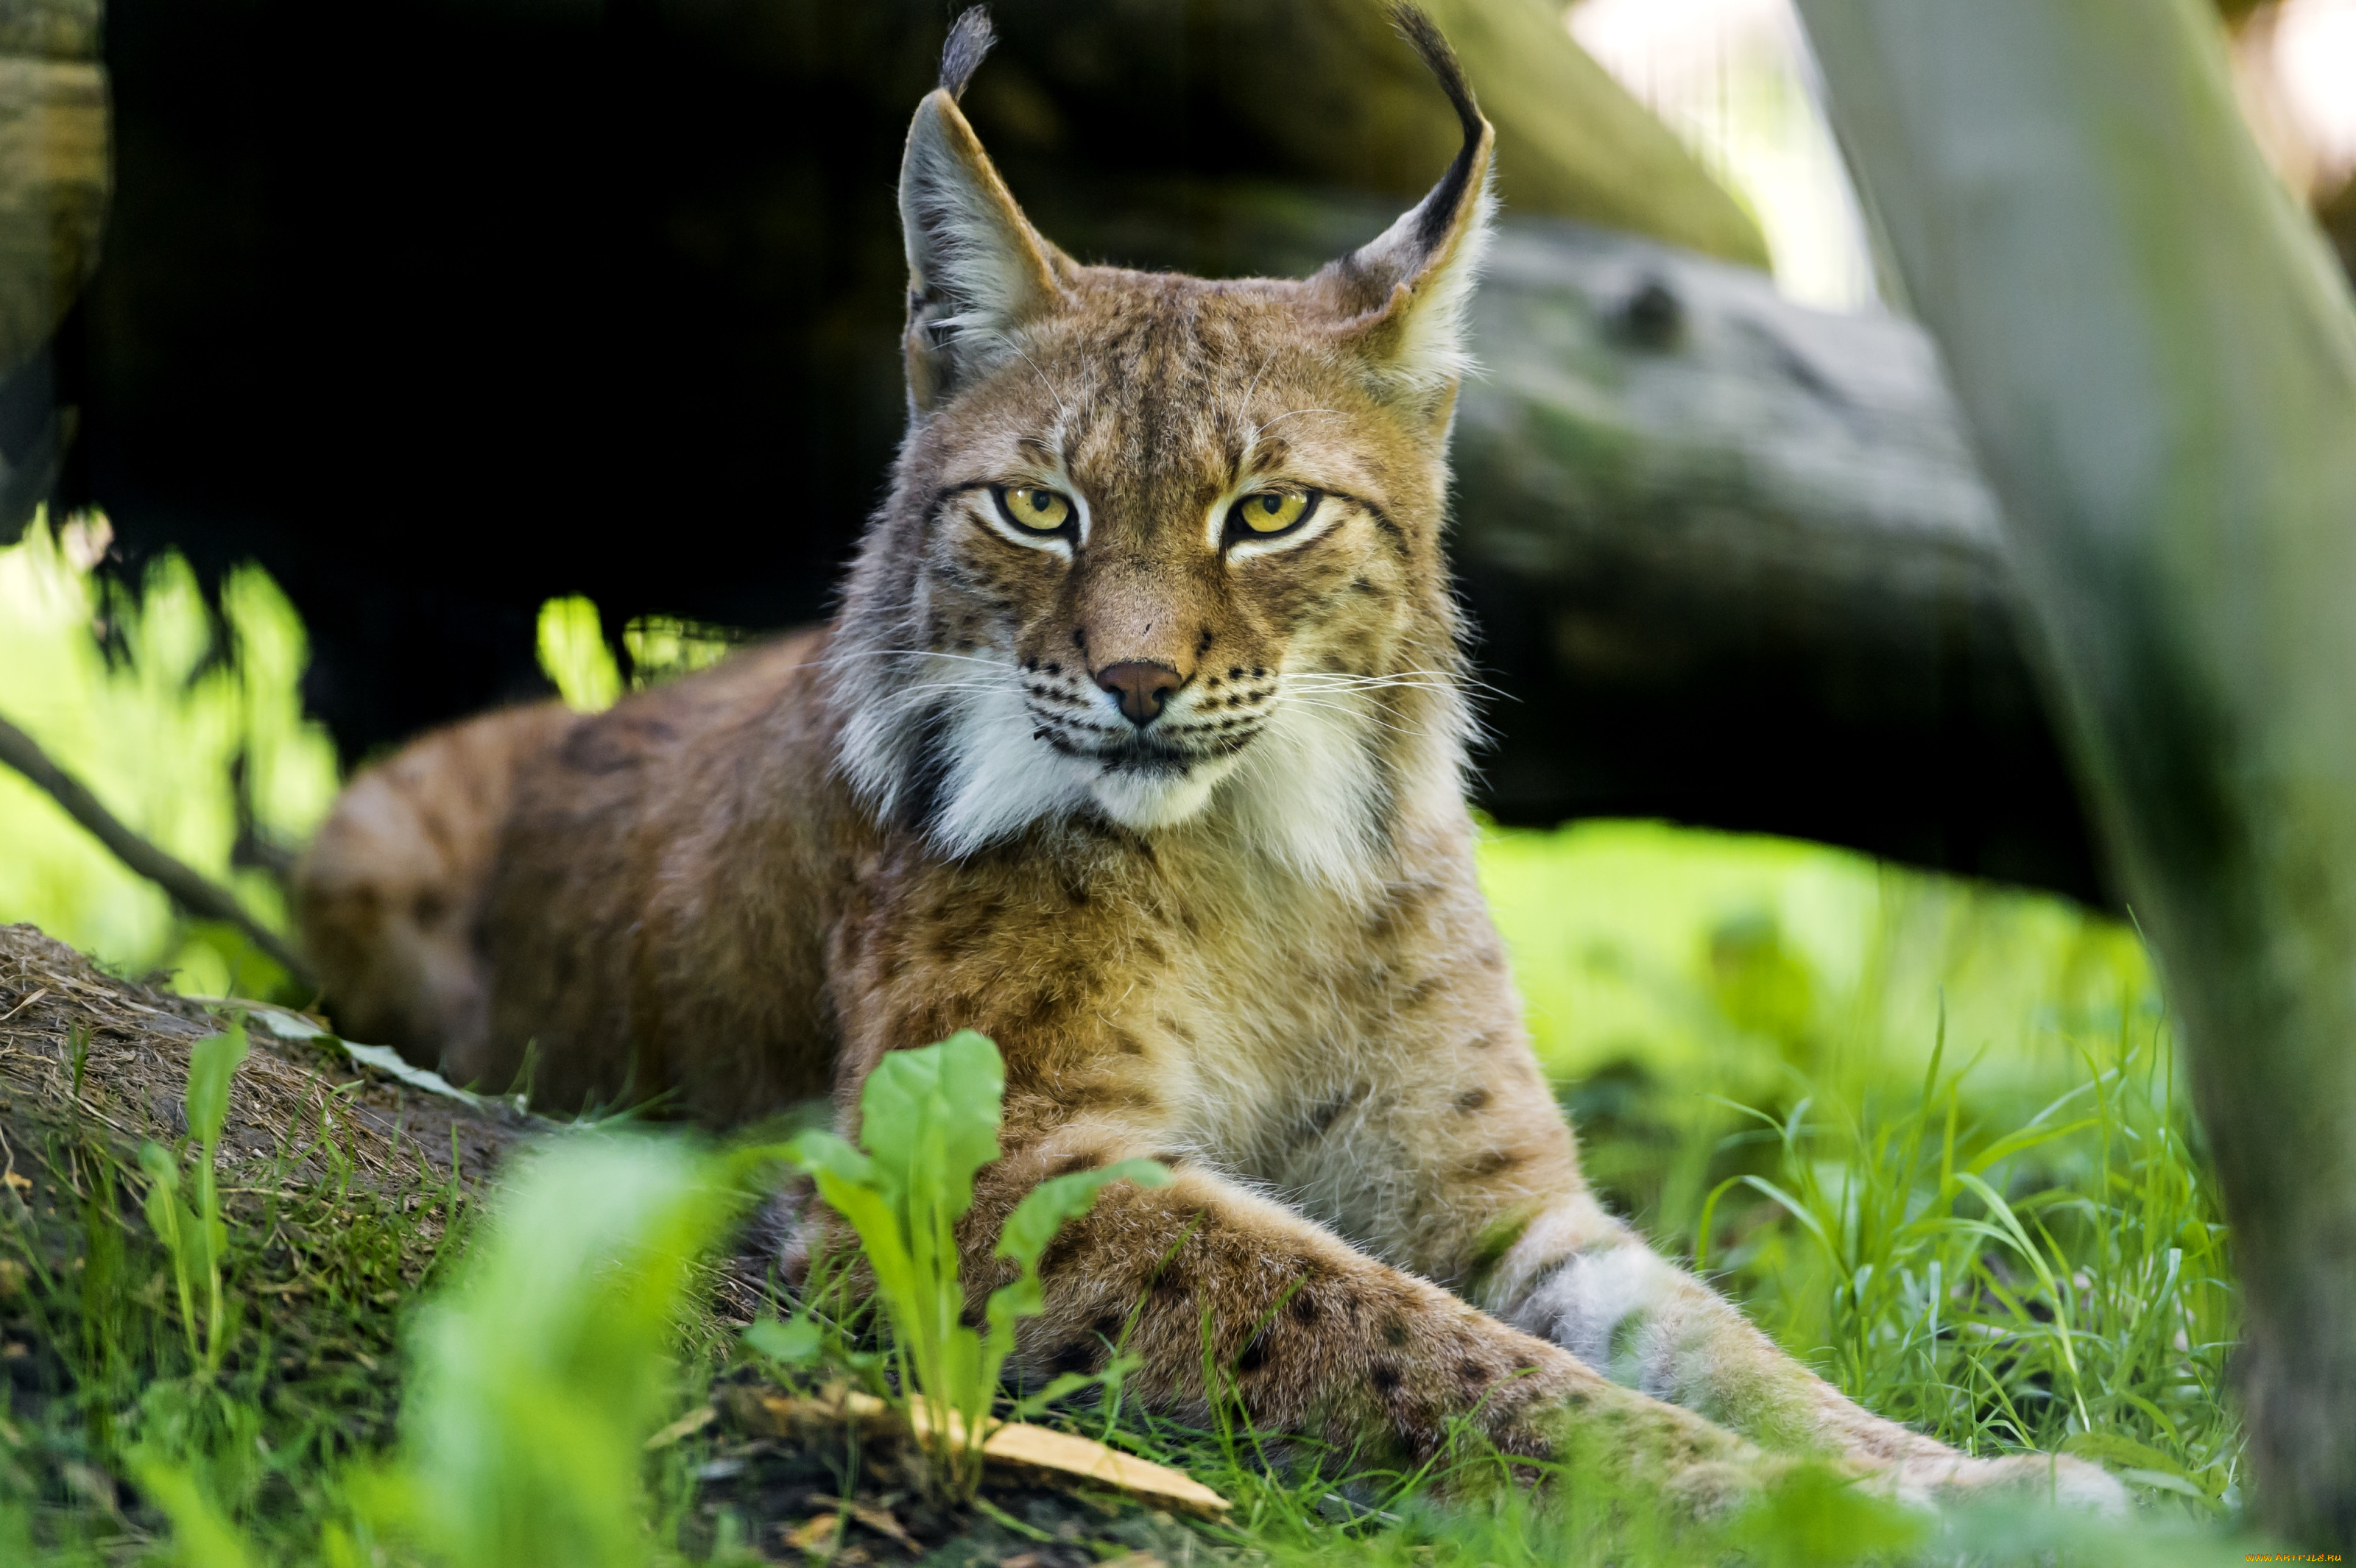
[[1138, 745]]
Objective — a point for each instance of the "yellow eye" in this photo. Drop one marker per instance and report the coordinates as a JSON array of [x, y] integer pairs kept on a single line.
[[1030, 507], [1273, 511]]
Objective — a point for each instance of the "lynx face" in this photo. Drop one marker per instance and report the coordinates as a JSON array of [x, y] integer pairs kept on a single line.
[[1159, 549]]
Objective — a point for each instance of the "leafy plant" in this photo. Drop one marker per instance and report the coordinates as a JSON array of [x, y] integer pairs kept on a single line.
[[574, 655], [928, 1121], [537, 1380], [197, 1240]]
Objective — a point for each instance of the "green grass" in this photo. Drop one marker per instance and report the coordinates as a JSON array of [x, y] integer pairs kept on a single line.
[[128, 1385], [569, 1333], [1929, 1133]]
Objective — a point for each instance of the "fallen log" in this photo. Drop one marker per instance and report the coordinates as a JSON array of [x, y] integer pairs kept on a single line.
[[1728, 560], [1734, 564], [53, 165], [54, 181]]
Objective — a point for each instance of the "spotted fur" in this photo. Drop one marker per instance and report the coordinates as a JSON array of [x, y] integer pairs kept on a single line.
[[1243, 938]]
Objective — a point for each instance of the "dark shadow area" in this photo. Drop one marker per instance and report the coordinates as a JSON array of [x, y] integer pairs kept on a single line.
[[437, 310]]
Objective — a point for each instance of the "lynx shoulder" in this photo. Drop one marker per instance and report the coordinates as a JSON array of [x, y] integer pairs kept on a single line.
[[1138, 745]]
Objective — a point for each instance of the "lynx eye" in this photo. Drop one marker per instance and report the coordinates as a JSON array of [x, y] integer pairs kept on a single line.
[[1032, 509], [1272, 511]]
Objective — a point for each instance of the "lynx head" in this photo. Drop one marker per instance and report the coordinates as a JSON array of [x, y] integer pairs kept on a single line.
[[1159, 549]]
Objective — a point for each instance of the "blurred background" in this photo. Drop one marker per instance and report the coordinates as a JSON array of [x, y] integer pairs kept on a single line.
[[361, 367]]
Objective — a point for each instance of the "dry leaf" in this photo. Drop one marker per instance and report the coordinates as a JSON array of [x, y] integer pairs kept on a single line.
[[1014, 1443], [815, 1533], [881, 1522], [687, 1425], [1036, 1447]]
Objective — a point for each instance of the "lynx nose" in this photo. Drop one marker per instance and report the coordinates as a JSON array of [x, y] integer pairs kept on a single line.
[[1141, 687]]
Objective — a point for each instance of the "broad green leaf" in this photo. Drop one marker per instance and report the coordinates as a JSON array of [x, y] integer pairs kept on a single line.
[[929, 1119], [820, 1150], [536, 1377], [1046, 1207], [1033, 1224], [879, 1236], [791, 1342], [181, 1233], [184, 1234], [162, 1171], [928, 1123], [211, 1060], [202, 1537]]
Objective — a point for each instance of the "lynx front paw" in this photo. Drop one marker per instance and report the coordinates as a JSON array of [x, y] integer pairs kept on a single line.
[[2048, 1478]]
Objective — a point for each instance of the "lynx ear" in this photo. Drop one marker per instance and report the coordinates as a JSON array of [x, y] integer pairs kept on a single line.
[[976, 267], [1404, 296]]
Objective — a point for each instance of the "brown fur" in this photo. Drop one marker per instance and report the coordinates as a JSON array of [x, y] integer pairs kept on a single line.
[[1247, 941]]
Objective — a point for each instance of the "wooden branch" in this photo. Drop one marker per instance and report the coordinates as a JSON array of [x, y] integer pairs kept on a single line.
[[2157, 359], [189, 888]]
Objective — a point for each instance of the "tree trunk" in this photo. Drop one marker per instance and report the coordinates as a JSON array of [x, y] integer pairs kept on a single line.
[[53, 184], [2157, 359]]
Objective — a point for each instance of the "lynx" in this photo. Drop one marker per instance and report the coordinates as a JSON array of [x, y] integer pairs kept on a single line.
[[1138, 744]]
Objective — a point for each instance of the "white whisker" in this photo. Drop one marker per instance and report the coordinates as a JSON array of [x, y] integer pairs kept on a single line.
[[845, 653], [1060, 407], [1260, 429], [1243, 404]]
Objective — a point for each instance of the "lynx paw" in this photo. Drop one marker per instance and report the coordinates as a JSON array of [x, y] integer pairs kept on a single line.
[[2049, 1478]]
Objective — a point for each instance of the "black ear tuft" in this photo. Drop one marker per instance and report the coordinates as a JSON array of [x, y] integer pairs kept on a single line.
[[1425, 38], [1401, 299], [970, 39]]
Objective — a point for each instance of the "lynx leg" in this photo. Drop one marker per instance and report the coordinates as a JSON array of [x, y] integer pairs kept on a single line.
[[1587, 1283], [1556, 1265], [1475, 1183], [1313, 1336]]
